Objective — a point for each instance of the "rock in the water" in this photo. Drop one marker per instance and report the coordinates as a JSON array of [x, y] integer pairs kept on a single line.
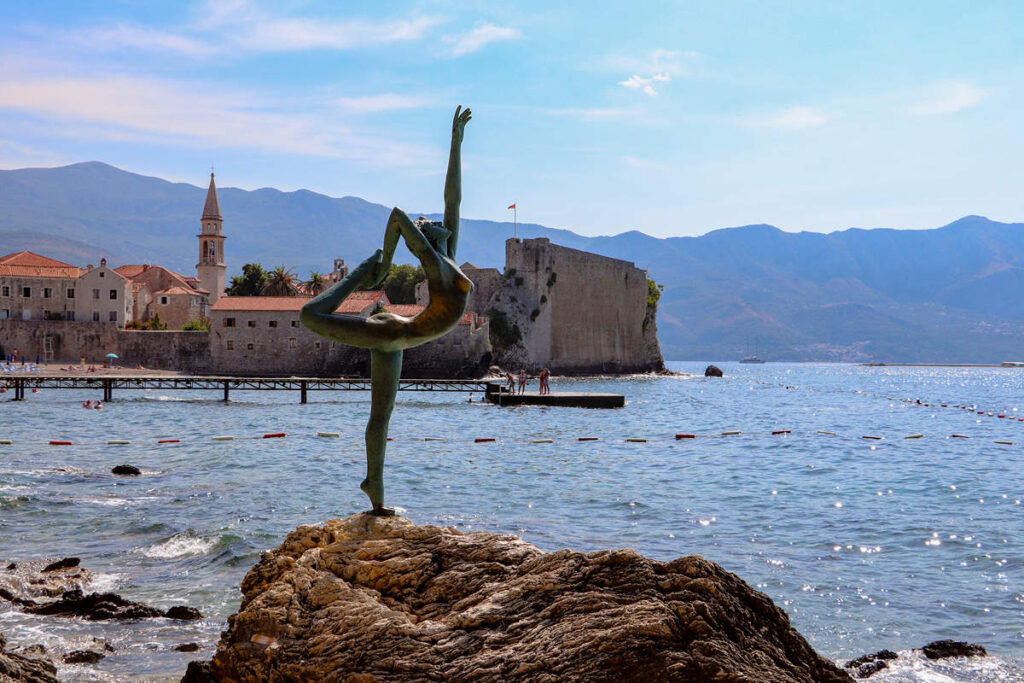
[[83, 657], [94, 607], [65, 563], [23, 581], [712, 371], [18, 668], [867, 665], [941, 649], [126, 470], [187, 647], [379, 598], [197, 672], [183, 613]]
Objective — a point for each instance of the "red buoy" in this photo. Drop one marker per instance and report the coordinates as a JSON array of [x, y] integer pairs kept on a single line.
[[169, 441], [959, 436], [60, 443], [483, 439], [275, 435], [781, 431], [686, 436]]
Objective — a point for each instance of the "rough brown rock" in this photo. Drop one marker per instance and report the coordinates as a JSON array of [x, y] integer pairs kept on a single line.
[[940, 649], [380, 599], [18, 668], [22, 581]]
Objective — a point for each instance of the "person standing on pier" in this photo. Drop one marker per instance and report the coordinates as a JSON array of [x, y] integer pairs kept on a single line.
[[387, 335]]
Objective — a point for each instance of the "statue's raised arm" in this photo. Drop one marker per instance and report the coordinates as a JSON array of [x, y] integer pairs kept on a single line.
[[453, 181]]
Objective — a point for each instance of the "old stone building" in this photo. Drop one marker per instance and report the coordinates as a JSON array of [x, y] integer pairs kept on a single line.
[[262, 335], [570, 310], [34, 287], [176, 298]]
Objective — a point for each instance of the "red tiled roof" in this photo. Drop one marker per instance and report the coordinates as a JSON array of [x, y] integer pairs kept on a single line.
[[129, 271], [30, 264], [412, 310], [356, 302], [177, 289]]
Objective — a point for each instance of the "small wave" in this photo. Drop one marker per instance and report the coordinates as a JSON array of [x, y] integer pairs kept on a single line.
[[104, 583], [180, 545]]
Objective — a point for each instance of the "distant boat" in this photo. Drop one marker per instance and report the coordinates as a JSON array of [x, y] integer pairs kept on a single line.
[[752, 359]]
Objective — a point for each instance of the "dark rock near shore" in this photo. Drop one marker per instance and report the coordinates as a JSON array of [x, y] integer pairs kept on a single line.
[[83, 657], [66, 563], [126, 470], [712, 371], [867, 665], [183, 613], [19, 668], [94, 607], [187, 647], [20, 582], [940, 649], [379, 598], [197, 672]]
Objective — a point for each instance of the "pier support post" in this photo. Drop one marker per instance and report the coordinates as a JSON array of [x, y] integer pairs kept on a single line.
[[108, 389], [225, 391], [302, 391], [19, 390]]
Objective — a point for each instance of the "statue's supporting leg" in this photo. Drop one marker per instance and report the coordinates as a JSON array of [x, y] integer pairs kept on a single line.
[[385, 370]]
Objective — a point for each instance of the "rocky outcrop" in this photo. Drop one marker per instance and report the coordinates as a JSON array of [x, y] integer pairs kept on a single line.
[[712, 371], [18, 668], [940, 649], [23, 581], [374, 598]]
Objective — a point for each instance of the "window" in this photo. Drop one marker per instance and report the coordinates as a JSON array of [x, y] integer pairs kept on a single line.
[[95, 294], [163, 301], [273, 323], [291, 342], [249, 346], [95, 316], [5, 291], [229, 322], [102, 273], [71, 292], [295, 323], [252, 323], [69, 315], [26, 292], [113, 294], [229, 345], [113, 316], [5, 313], [47, 292]]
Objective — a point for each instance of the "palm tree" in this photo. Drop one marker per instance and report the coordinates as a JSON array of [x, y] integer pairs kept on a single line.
[[315, 284], [280, 282]]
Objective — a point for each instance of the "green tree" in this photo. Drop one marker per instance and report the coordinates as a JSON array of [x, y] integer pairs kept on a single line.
[[315, 284], [654, 291], [250, 283], [400, 283], [280, 282], [200, 324]]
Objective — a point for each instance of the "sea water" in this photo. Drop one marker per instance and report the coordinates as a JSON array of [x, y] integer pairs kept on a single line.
[[866, 543]]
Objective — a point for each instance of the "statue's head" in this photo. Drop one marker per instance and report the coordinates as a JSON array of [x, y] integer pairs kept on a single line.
[[435, 232]]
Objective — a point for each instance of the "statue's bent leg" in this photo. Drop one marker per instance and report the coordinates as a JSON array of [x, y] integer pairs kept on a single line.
[[385, 370]]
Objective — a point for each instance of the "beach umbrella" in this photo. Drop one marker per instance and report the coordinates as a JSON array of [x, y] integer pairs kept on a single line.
[[111, 355]]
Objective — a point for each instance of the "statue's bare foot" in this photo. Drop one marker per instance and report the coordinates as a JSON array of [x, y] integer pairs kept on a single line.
[[375, 494], [381, 511]]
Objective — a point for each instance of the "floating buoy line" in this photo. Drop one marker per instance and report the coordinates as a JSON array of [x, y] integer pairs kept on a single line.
[[774, 434]]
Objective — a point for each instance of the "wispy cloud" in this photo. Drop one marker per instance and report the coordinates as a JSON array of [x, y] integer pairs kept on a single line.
[[948, 97], [645, 85], [592, 113], [648, 164], [790, 119], [165, 112], [482, 35], [383, 102], [241, 25], [671, 62]]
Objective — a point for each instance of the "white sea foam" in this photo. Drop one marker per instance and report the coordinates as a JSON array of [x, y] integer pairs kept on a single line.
[[180, 545]]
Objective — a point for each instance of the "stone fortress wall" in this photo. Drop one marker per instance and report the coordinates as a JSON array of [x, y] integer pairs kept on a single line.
[[572, 311]]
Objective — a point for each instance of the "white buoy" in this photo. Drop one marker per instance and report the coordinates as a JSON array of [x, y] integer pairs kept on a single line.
[[329, 435], [118, 442], [224, 438], [5, 442], [732, 432], [822, 431], [914, 436], [543, 441], [636, 439]]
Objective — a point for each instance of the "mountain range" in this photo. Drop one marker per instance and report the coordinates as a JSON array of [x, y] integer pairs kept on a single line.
[[946, 295]]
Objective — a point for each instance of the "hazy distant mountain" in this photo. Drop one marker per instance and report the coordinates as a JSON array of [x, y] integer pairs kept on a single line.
[[944, 295]]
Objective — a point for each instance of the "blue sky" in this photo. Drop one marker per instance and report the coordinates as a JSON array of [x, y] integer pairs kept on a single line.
[[672, 118]]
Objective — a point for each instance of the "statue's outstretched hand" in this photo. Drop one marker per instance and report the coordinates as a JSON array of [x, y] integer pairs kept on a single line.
[[459, 122]]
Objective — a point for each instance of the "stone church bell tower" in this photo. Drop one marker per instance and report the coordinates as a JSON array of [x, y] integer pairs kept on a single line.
[[211, 269]]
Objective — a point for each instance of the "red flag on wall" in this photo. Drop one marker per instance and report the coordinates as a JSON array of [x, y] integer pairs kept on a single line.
[[511, 206]]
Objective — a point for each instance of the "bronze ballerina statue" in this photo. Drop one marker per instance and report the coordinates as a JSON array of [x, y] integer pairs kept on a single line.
[[387, 334]]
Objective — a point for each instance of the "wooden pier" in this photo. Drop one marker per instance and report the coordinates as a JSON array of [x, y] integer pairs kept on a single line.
[[108, 383], [500, 396]]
